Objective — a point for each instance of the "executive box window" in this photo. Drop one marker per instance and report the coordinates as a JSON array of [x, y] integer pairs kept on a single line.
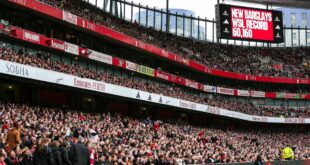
[[293, 19], [304, 19], [294, 36]]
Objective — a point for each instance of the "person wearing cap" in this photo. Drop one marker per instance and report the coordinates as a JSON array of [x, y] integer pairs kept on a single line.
[[287, 153], [13, 137]]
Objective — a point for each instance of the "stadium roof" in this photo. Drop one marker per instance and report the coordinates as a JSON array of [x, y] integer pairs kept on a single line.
[[286, 3]]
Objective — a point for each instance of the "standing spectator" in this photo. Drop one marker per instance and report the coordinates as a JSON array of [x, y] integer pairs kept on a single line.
[[56, 153], [65, 153], [79, 153], [43, 154], [13, 137], [156, 128]]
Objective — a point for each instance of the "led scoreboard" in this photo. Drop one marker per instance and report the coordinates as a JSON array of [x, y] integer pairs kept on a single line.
[[243, 23]]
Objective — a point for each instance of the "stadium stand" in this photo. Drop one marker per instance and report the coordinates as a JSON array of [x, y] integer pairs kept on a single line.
[[273, 62], [117, 139], [123, 52], [43, 60], [50, 121]]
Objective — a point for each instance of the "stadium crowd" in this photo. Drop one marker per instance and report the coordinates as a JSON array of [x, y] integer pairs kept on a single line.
[[273, 62], [36, 135], [42, 60]]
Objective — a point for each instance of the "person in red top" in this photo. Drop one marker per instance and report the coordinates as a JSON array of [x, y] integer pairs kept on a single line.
[[201, 133], [5, 125], [156, 128], [2, 157]]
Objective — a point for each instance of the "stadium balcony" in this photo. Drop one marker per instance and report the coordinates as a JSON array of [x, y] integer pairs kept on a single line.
[[276, 65], [179, 96], [40, 40], [160, 73]]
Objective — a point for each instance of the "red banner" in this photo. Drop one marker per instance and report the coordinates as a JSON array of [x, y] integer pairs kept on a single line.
[[178, 80], [305, 96], [83, 52], [119, 62], [39, 7], [56, 44], [163, 75], [86, 24], [31, 37]]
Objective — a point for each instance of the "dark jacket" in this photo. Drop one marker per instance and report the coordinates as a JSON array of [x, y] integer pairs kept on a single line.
[[26, 160], [9, 161], [65, 156], [79, 154], [258, 162], [56, 156], [43, 157]]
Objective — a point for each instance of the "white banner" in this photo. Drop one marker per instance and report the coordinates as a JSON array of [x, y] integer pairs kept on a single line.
[[243, 93], [131, 66], [94, 55], [209, 88], [191, 83], [226, 91], [71, 48], [25, 71], [257, 94], [66, 16]]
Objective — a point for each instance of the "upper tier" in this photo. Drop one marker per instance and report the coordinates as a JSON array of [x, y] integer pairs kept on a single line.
[[86, 53], [264, 61]]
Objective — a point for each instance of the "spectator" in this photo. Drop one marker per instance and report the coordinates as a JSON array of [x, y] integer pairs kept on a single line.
[[288, 153], [11, 159], [43, 154], [27, 158], [65, 153], [79, 153], [258, 161], [13, 137], [56, 153]]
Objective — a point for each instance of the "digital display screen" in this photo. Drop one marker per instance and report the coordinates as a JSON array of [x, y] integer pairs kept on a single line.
[[242, 23]]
